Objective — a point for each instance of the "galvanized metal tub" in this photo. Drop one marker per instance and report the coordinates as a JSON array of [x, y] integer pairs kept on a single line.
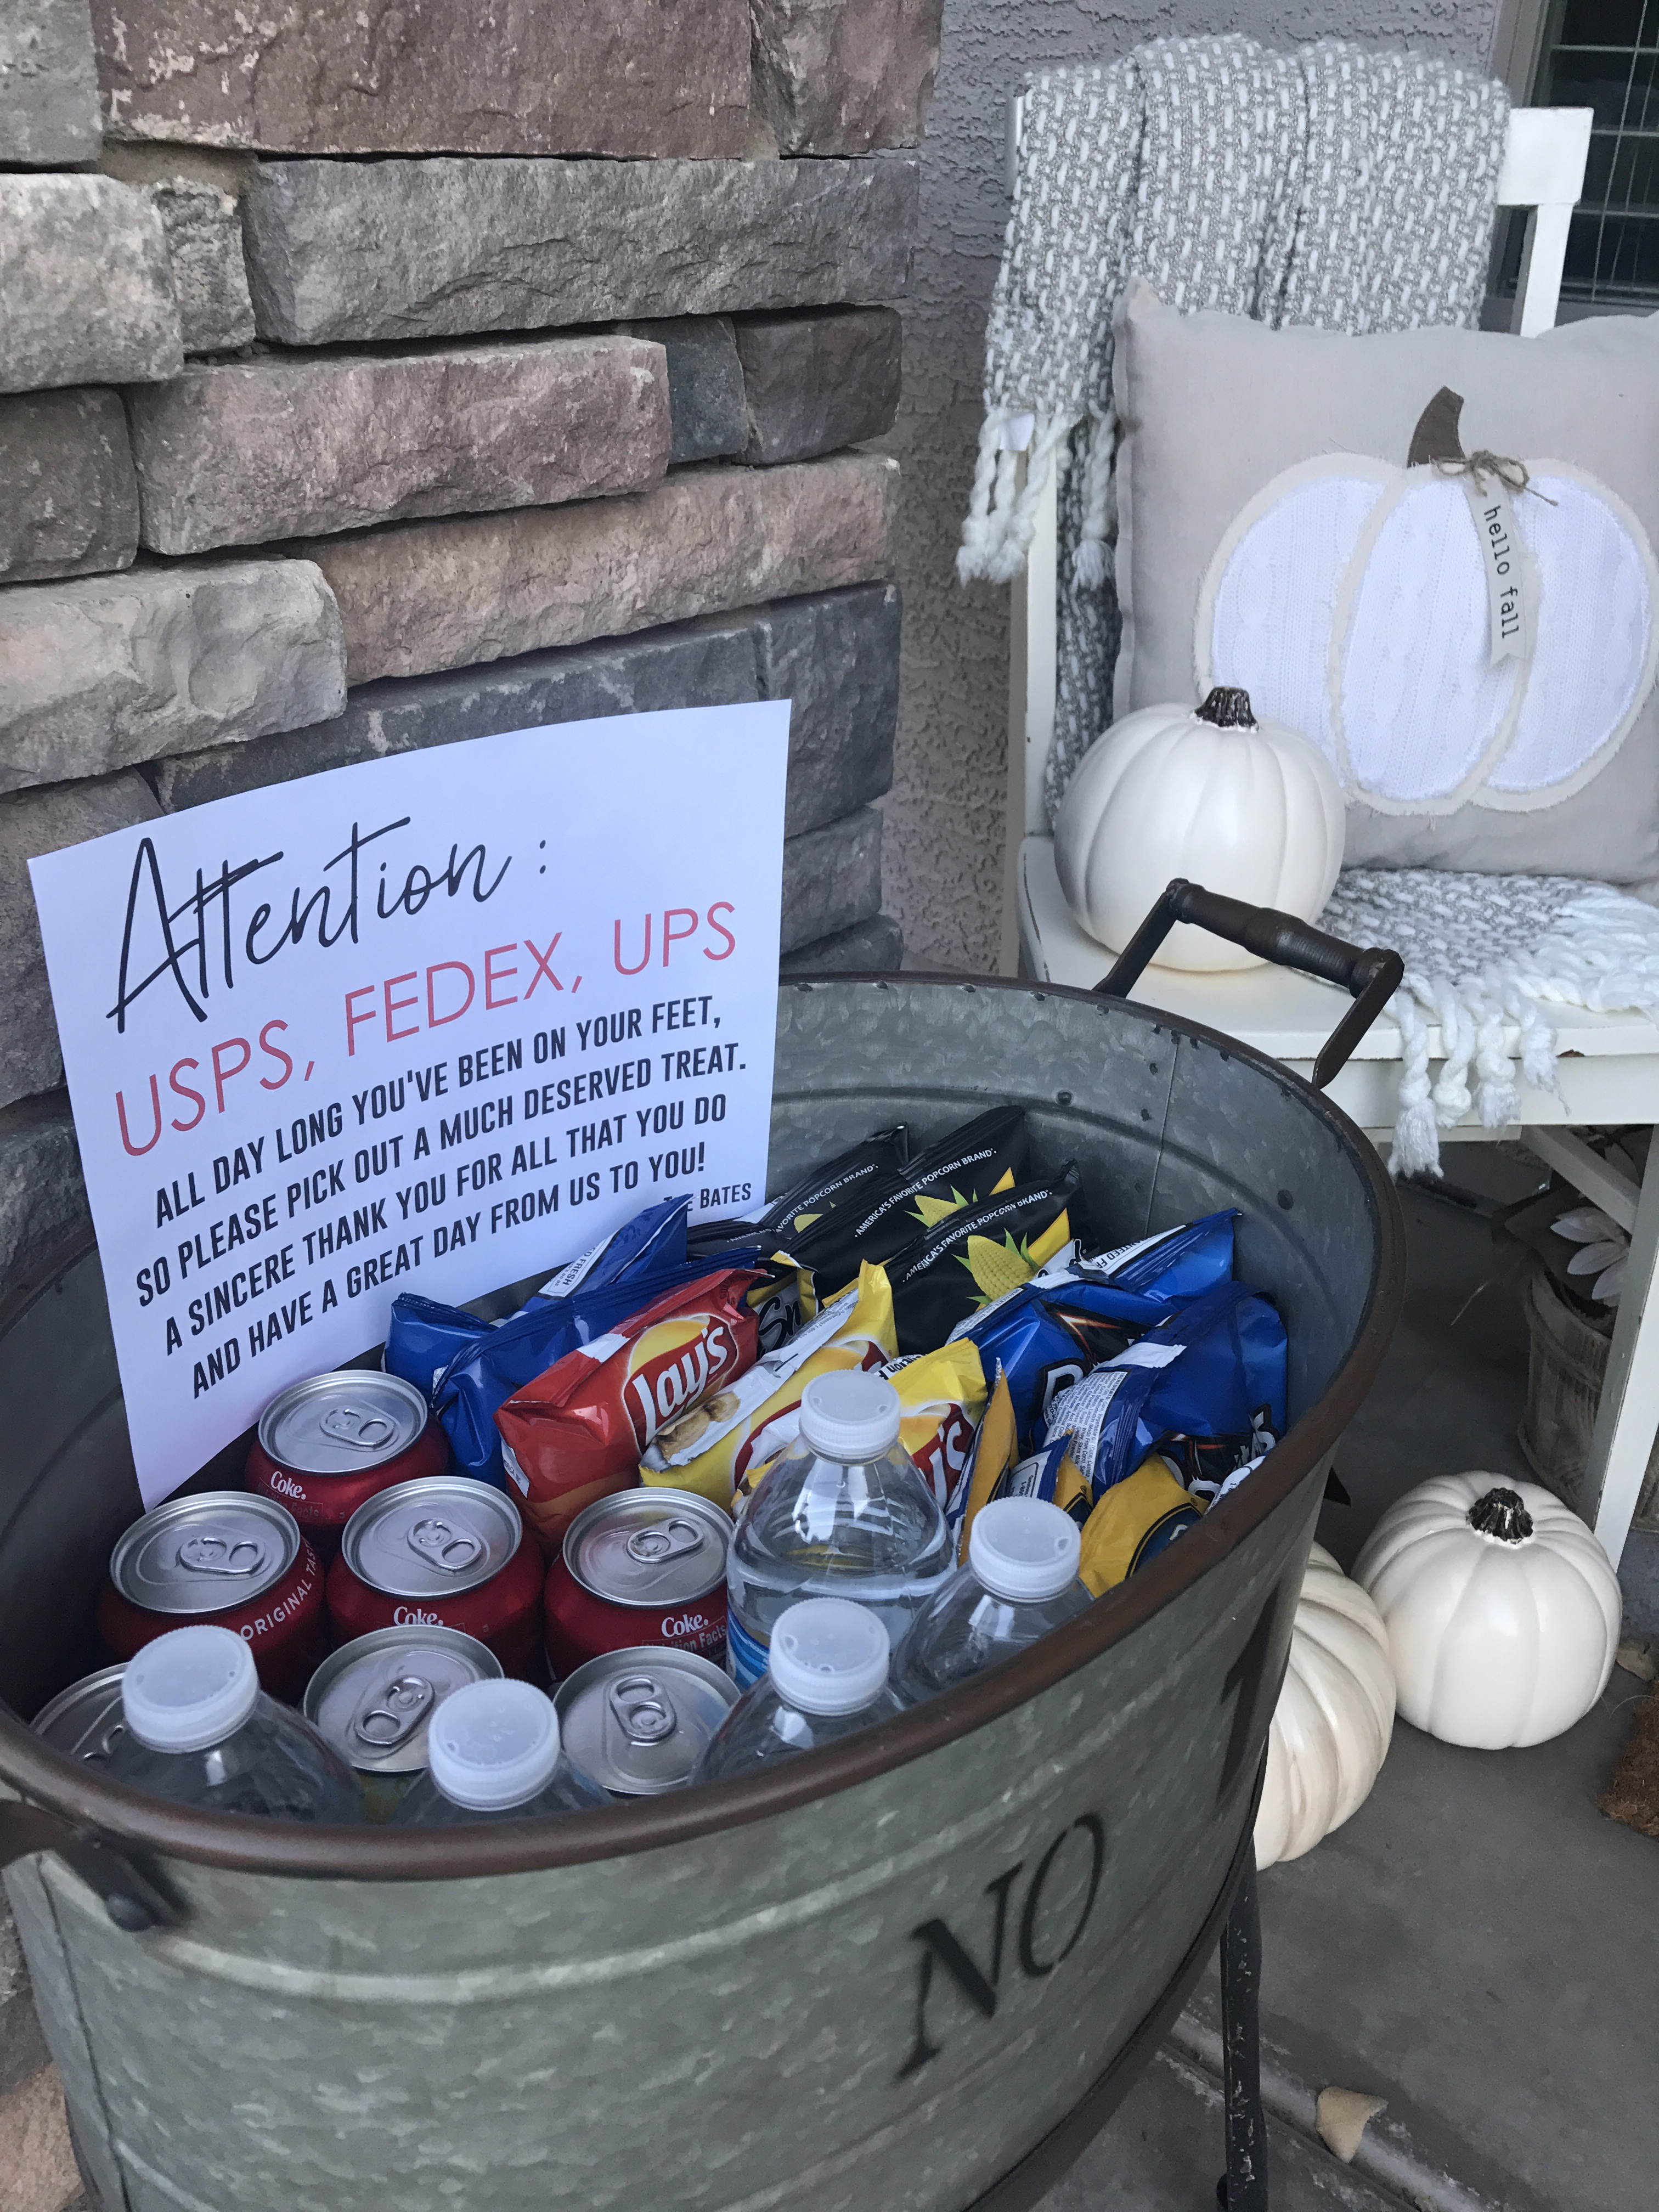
[[914, 1971]]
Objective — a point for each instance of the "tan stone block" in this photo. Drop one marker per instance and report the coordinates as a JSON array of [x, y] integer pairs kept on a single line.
[[411, 76], [37, 2172], [427, 595], [249, 452]]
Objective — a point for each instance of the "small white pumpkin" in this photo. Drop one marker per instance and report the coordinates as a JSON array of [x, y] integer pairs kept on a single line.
[[1247, 808], [1335, 1717], [1503, 1613]]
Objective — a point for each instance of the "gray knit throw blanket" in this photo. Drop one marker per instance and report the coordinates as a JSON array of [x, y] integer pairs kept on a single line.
[[1334, 186]]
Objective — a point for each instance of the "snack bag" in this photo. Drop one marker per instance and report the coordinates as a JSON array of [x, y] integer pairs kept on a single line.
[[577, 1431], [1049, 1336], [1214, 1369], [943, 1396], [1175, 1263], [881, 1159], [1135, 1520], [995, 1456], [964, 1168], [976, 1254], [713, 1455]]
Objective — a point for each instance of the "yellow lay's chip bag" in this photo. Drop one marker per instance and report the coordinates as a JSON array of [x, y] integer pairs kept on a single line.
[[995, 1456], [713, 1450], [1135, 1520], [943, 1397]]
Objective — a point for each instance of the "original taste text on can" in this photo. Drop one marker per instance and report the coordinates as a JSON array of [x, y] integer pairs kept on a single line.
[[446, 1551], [228, 1558], [327, 1446], [646, 1566]]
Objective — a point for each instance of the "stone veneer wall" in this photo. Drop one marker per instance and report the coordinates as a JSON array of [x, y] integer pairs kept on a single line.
[[306, 458]]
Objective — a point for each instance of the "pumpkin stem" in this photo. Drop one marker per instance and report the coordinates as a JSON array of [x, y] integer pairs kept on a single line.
[[1502, 1513], [1436, 437], [1228, 707]]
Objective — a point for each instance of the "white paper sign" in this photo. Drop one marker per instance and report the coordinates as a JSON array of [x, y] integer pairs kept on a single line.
[[430, 1024]]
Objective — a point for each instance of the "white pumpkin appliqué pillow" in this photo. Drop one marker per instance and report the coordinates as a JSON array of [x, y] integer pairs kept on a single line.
[[1471, 637]]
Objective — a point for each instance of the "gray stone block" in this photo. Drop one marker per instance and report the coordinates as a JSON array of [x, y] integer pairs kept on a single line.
[[204, 231], [102, 672], [705, 384], [275, 447], [341, 252], [48, 84], [836, 657], [43, 1199], [32, 822], [696, 664], [831, 878], [520, 76], [426, 595], [812, 383], [69, 500], [86, 283], [869, 948], [845, 77]]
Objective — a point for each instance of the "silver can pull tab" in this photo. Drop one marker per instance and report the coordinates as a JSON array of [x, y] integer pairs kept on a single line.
[[664, 1540], [364, 1431], [455, 1550], [390, 1717], [642, 1709], [206, 1554]]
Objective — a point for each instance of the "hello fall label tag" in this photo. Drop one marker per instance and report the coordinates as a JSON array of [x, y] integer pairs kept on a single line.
[[1488, 481], [1503, 557]]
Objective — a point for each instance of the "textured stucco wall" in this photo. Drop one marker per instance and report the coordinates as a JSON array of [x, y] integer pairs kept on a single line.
[[943, 851]]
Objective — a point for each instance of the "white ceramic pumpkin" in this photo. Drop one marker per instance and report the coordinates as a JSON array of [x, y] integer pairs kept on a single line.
[[1247, 808], [1350, 598], [1502, 1610], [1331, 1727]]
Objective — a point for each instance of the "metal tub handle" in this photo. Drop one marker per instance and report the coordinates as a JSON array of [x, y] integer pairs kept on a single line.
[[1371, 975], [133, 1898]]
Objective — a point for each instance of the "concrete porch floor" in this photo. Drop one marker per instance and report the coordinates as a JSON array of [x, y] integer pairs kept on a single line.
[[1479, 1945]]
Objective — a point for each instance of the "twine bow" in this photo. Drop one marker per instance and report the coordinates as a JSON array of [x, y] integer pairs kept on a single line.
[[1437, 443]]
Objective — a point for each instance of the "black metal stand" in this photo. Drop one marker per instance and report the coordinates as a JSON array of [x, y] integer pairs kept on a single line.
[[1244, 2187]]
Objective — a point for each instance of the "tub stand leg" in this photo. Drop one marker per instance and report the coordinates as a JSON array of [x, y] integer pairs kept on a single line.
[[1244, 2187]]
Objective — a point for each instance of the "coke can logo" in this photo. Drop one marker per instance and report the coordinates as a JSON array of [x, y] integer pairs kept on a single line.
[[287, 1486], [414, 1616], [674, 1627], [673, 1380]]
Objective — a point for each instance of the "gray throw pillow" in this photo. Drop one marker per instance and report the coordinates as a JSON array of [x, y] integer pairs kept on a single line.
[[1471, 639]]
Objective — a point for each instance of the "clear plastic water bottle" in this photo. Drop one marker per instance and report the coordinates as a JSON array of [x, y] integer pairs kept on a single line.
[[826, 1677], [200, 1730], [843, 1513], [494, 1753], [1020, 1581]]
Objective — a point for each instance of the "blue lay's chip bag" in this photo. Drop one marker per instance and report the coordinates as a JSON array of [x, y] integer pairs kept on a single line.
[[1204, 1389], [424, 1336]]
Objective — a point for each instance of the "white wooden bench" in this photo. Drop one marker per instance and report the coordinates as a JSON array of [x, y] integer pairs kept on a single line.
[[1609, 1066]]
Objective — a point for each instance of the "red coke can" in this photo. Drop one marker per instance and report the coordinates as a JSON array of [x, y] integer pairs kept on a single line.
[[646, 1566], [448, 1549], [232, 1561], [327, 1446]]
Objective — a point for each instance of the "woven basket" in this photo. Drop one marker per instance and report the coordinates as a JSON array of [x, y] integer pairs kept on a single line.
[[1566, 1362]]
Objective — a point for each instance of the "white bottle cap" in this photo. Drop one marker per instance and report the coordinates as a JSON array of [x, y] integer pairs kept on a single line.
[[1024, 1547], [492, 1745], [189, 1688], [850, 1416], [828, 1656]]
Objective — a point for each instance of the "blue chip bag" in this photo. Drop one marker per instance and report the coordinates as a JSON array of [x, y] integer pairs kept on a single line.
[[1076, 1313], [1211, 1374]]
